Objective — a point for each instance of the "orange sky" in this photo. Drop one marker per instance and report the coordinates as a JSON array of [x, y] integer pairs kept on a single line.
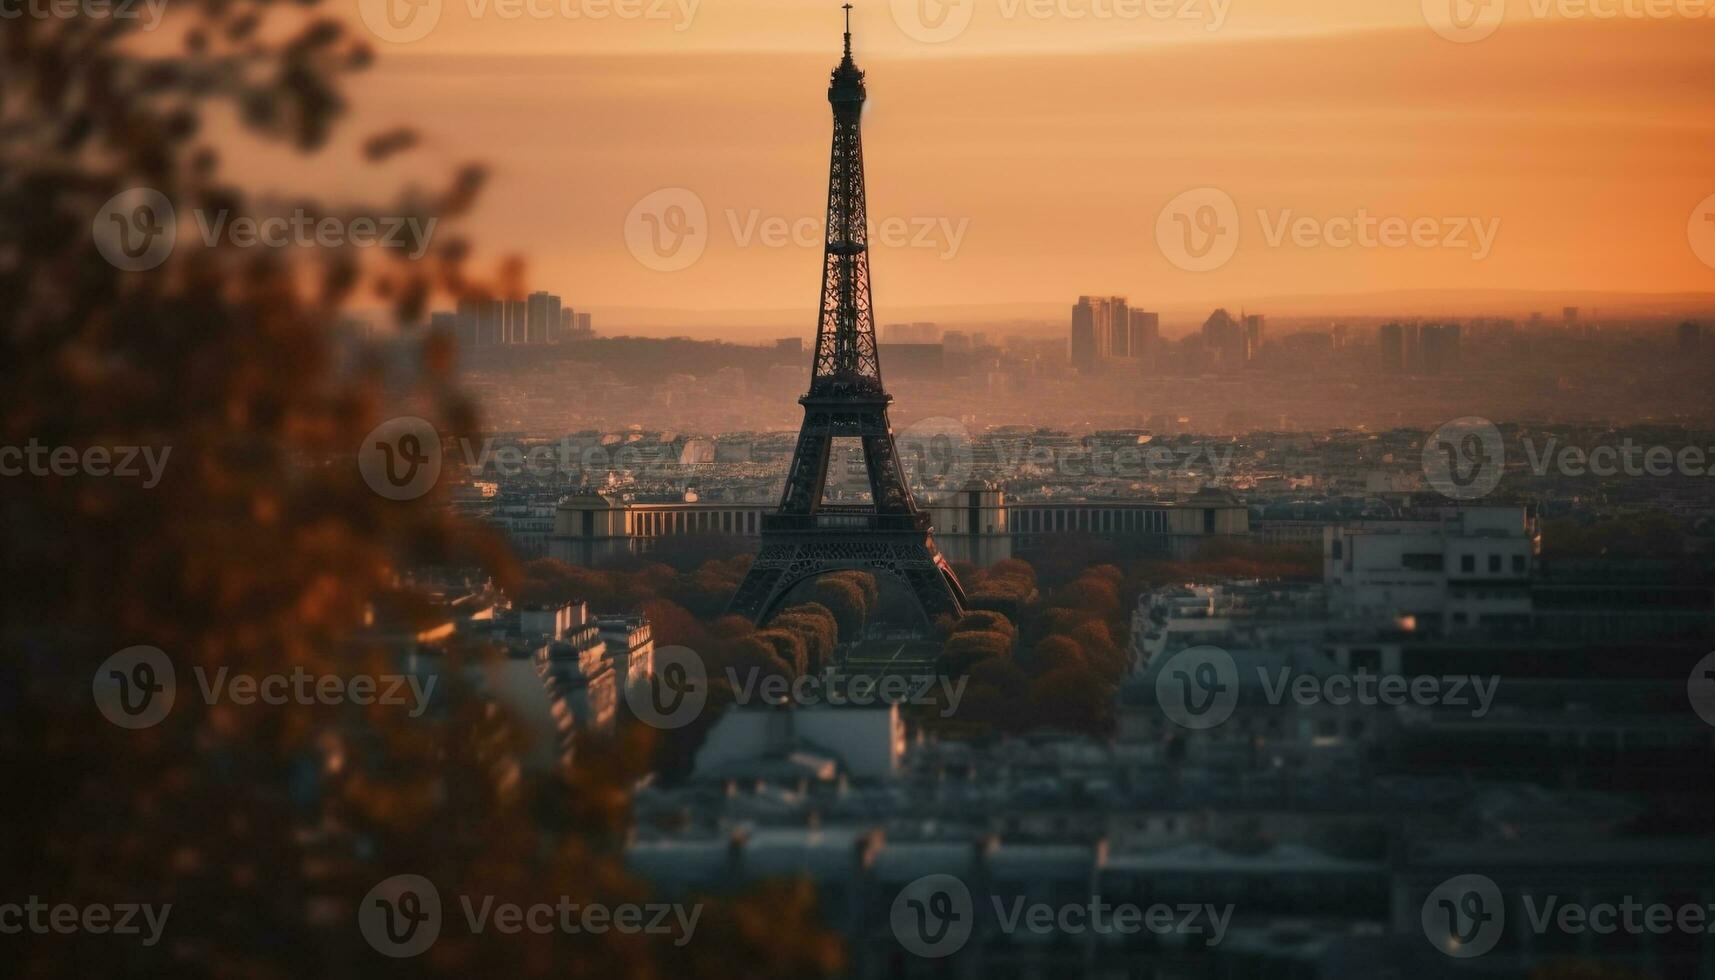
[[1045, 146]]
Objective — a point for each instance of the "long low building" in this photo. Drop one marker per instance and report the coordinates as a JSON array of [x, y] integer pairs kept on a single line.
[[976, 524]]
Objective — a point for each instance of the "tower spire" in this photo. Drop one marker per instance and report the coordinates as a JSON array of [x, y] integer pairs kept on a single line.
[[848, 10]]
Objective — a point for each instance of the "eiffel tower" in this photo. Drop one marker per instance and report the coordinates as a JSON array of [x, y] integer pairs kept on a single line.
[[807, 536]]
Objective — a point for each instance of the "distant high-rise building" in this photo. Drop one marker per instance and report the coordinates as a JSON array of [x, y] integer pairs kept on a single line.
[[790, 345], [956, 342], [1084, 332], [568, 322], [584, 329], [1227, 339], [516, 318], [1145, 330], [542, 317], [490, 322], [1253, 335], [1145, 336], [470, 310], [1093, 330], [478, 322], [1391, 340], [1440, 348], [1119, 327]]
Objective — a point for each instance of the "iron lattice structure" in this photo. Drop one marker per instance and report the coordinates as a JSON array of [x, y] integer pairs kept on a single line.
[[888, 536]]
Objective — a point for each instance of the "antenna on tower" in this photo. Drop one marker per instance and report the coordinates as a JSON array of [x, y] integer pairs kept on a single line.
[[848, 10]]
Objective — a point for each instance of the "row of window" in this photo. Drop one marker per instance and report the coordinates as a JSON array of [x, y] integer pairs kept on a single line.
[[1468, 564], [649, 523], [655, 523], [1081, 519]]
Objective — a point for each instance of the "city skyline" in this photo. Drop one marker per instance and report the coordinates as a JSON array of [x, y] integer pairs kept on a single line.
[[1501, 134]]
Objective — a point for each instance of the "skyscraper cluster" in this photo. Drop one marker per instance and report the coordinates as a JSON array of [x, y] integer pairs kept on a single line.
[[1411, 348], [1105, 330], [540, 318]]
